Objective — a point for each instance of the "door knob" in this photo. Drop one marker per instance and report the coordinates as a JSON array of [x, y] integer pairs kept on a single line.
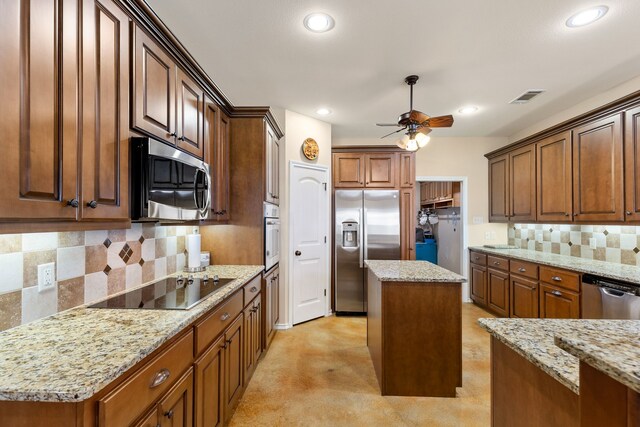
[[298, 253]]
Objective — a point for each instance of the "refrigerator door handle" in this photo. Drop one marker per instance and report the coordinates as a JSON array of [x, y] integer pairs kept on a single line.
[[361, 239], [364, 235]]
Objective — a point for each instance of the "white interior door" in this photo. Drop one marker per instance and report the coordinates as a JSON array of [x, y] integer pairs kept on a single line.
[[309, 248]]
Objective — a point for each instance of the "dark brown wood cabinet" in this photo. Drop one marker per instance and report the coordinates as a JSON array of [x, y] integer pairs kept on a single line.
[[523, 297], [253, 336], [348, 170], [189, 108], [498, 291], [598, 182], [522, 184], [271, 307], [234, 368], [176, 409], [632, 165], [209, 385], [407, 224], [216, 141], [499, 189], [558, 303], [478, 288], [407, 170], [273, 167], [554, 178], [105, 111], [380, 170]]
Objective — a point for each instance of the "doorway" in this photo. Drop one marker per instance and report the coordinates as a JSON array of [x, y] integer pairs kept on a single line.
[[308, 241]]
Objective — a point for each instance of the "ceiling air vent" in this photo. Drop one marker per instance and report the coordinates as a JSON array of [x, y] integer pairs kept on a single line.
[[527, 96]]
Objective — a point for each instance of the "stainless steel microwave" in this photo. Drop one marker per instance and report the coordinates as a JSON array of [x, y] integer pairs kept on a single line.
[[167, 184]]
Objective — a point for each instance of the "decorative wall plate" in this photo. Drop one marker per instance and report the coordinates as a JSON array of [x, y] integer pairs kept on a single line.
[[310, 149]]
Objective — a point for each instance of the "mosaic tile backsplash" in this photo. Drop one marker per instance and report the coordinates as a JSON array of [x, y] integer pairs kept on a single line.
[[614, 243], [89, 266]]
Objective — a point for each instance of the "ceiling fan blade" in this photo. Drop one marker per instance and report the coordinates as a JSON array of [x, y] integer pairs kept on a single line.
[[418, 116], [424, 130], [389, 134], [440, 122], [387, 124]]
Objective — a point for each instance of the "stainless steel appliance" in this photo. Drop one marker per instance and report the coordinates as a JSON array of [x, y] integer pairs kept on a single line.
[[167, 184], [172, 293], [271, 235], [367, 226], [609, 299]]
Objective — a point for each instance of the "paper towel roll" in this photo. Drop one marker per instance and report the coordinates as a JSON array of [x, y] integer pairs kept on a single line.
[[193, 249]]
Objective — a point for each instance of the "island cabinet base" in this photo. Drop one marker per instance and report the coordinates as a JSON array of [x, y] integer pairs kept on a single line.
[[414, 335], [524, 395]]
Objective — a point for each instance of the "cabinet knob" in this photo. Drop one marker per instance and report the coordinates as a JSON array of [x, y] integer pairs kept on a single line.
[[629, 212], [73, 203], [169, 414], [575, 214], [496, 263], [253, 289], [173, 134], [181, 138], [566, 214], [92, 204], [225, 316]]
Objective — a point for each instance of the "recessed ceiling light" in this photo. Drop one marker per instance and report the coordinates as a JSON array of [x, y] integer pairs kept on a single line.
[[323, 111], [469, 109], [588, 16], [318, 22]]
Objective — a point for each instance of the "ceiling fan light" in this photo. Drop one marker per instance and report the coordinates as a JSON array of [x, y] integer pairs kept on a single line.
[[412, 145], [422, 140], [402, 142]]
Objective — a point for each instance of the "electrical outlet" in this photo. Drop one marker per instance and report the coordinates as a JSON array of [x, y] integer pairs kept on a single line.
[[46, 276], [592, 243], [487, 235], [478, 220], [492, 235]]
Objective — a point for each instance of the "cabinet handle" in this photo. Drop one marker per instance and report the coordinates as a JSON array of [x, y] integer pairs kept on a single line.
[[477, 258], [556, 278], [224, 345], [92, 204], [169, 414], [556, 293], [522, 269], [496, 262], [629, 212], [160, 377], [566, 214], [575, 214], [73, 203], [253, 289], [225, 316], [173, 134], [181, 138]]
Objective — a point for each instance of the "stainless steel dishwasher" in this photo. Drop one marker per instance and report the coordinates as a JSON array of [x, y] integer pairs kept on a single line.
[[609, 299]]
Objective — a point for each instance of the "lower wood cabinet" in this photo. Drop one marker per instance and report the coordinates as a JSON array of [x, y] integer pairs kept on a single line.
[[253, 337], [209, 385], [558, 303], [478, 274], [523, 297], [271, 309], [498, 295], [233, 368], [176, 409]]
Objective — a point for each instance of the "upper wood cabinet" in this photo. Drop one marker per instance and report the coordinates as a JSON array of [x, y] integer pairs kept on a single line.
[[598, 182], [189, 107], [407, 224], [39, 109], [105, 111], [273, 167], [499, 189], [348, 170], [522, 184], [632, 165], [554, 178], [407, 170], [380, 170], [216, 141]]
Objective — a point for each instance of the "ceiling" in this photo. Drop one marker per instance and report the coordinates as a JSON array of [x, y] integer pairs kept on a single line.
[[484, 53]]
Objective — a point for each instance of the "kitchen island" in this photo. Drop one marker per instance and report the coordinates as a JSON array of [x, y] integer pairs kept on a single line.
[[414, 328]]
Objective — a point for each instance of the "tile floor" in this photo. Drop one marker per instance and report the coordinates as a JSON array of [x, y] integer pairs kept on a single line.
[[320, 374]]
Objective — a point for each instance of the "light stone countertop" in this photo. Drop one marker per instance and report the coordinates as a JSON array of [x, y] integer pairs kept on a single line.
[[412, 271], [628, 273], [70, 356], [611, 346]]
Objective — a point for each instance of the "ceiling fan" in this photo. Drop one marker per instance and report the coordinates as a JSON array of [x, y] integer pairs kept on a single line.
[[417, 124]]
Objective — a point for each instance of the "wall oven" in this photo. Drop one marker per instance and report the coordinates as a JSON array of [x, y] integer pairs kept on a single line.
[[167, 184], [271, 235]]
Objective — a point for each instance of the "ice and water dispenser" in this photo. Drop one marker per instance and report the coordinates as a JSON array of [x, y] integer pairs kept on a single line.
[[349, 234]]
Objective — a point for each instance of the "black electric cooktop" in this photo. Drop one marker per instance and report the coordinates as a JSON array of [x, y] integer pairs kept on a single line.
[[172, 293]]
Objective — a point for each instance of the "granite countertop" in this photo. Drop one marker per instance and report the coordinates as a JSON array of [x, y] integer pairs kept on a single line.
[[412, 271], [611, 346], [627, 273], [70, 356]]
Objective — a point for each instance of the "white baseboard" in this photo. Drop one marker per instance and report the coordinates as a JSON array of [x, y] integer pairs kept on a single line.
[[283, 326]]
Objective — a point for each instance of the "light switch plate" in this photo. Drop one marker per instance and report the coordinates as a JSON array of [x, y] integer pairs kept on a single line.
[[46, 276], [478, 220]]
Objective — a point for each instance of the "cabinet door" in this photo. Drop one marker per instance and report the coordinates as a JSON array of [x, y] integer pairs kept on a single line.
[[216, 141], [380, 170], [478, 284], [524, 297], [499, 189], [598, 188], [407, 170], [275, 300], [522, 184], [498, 295], [348, 170], [407, 225], [154, 89], [256, 333], [176, 409], [632, 165], [273, 168], [39, 109], [424, 192], [557, 303], [105, 111], [189, 107], [268, 299], [209, 385], [554, 185], [234, 368], [247, 347]]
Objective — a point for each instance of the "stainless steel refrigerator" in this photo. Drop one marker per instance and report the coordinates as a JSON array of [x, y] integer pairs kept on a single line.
[[367, 226]]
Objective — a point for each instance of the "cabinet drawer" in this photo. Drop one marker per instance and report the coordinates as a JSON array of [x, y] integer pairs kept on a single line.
[[498, 263], [127, 402], [478, 258], [563, 278], [252, 289], [216, 322], [523, 268]]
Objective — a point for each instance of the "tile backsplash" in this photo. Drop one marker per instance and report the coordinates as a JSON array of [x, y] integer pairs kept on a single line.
[[614, 243], [89, 266]]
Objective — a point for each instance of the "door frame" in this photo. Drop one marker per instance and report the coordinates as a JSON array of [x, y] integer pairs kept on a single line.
[[464, 259], [293, 165]]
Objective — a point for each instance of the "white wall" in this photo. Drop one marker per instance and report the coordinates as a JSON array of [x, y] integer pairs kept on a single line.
[[297, 128]]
